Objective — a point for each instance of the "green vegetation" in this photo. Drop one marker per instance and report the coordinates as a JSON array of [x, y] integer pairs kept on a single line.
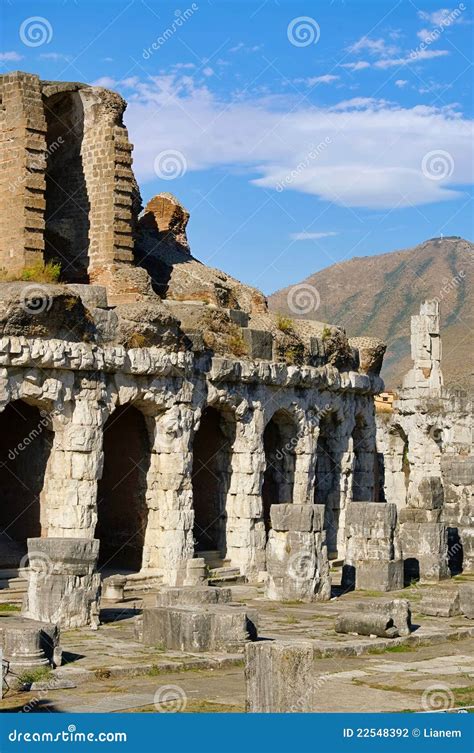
[[10, 608], [285, 324], [35, 675], [38, 272]]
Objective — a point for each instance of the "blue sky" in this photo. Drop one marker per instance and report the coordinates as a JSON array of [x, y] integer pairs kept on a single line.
[[298, 134]]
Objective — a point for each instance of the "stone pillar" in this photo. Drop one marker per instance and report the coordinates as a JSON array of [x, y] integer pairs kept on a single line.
[[169, 535], [245, 526], [297, 561], [22, 171], [281, 677], [63, 585], [70, 493], [425, 349], [373, 558]]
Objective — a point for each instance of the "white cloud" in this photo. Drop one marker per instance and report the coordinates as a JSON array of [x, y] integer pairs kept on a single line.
[[401, 83], [328, 78], [424, 35], [361, 152], [442, 17], [55, 56], [10, 56], [415, 57], [359, 66], [304, 236], [106, 81], [208, 71], [373, 46]]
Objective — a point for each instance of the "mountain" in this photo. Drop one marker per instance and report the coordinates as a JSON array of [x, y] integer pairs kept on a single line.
[[376, 295]]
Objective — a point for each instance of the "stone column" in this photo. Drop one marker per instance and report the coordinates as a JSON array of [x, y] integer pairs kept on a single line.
[[169, 535], [70, 493], [245, 526], [373, 558], [297, 561]]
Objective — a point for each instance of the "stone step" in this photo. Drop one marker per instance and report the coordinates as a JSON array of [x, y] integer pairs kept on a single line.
[[212, 558], [226, 575]]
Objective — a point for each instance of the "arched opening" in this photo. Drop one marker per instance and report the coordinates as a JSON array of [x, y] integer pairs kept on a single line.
[[363, 448], [327, 488], [122, 511], [279, 442], [397, 467], [212, 471], [25, 445], [67, 203]]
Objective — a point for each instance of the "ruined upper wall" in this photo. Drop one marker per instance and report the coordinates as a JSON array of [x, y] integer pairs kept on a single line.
[[68, 188]]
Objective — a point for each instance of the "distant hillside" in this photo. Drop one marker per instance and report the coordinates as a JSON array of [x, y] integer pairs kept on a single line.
[[376, 295]]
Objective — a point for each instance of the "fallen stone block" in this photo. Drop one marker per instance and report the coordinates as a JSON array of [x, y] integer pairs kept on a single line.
[[397, 610], [440, 603], [366, 624], [196, 629], [466, 599], [192, 596]]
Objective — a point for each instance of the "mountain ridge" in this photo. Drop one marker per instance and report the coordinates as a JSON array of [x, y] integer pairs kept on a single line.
[[376, 295]]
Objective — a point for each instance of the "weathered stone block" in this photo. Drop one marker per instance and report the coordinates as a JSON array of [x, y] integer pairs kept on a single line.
[[192, 596], [205, 628], [370, 575], [278, 677], [440, 602], [259, 343], [29, 644], [366, 623], [466, 599], [62, 585], [289, 517]]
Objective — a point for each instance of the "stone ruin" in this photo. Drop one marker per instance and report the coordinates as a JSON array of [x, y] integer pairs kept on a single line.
[[427, 461], [158, 424]]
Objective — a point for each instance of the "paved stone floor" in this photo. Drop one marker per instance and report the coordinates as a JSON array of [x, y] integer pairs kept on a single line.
[[113, 671]]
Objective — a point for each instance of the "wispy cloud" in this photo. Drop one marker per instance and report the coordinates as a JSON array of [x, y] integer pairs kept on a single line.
[[304, 236], [401, 83], [410, 59], [10, 56], [372, 155], [359, 66], [55, 56], [327, 78]]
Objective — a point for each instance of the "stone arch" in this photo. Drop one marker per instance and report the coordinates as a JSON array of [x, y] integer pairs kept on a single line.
[[363, 449], [327, 483], [213, 446], [122, 510], [26, 439], [280, 439]]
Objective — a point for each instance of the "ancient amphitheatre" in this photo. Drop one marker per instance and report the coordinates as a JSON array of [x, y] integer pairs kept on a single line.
[[185, 473]]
